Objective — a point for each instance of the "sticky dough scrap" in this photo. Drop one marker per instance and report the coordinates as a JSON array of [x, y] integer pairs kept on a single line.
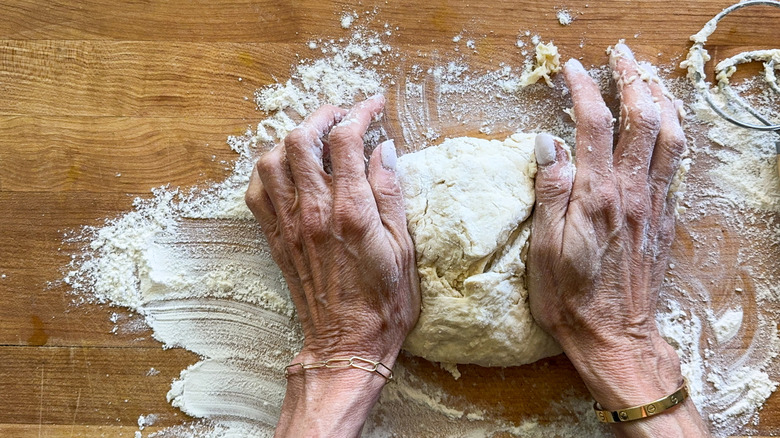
[[468, 205]]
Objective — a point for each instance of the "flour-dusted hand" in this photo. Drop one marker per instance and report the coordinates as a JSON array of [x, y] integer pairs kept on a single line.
[[341, 241], [601, 239]]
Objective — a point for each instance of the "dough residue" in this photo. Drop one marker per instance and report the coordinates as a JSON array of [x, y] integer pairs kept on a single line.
[[548, 61], [564, 17]]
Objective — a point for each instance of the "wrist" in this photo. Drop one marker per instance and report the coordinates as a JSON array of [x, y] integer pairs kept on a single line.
[[329, 401], [626, 371], [387, 356], [372, 344], [334, 389], [346, 382], [622, 371]]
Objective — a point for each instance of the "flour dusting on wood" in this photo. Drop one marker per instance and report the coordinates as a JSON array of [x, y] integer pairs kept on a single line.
[[193, 263]]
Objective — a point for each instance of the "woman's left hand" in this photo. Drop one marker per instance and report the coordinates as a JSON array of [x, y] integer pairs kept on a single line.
[[341, 241]]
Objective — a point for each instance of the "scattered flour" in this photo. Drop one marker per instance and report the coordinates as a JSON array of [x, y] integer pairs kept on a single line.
[[194, 265], [737, 190], [332, 79], [564, 17], [742, 166], [747, 169], [727, 325], [347, 19], [146, 420]]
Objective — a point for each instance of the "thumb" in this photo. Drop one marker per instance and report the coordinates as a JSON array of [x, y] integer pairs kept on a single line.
[[554, 179], [387, 190]]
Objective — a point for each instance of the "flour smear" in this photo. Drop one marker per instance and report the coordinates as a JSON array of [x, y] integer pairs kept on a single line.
[[193, 263]]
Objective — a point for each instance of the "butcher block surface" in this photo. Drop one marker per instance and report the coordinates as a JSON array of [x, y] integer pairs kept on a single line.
[[100, 101]]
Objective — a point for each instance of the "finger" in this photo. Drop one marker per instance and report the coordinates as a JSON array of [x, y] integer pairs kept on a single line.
[[386, 188], [347, 148], [593, 120], [554, 179], [680, 107], [670, 145], [275, 176], [284, 239], [664, 235], [640, 117], [304, 149], [259, 203]]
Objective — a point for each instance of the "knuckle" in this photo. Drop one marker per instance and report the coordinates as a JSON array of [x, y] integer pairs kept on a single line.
[[667, 159], [645, 118], [348, 219], [676, 143], [297, 137], [553, 191], [387, 190], [605, 204], [269, 162], [636, 207], [606, 197], [313, 223], [251, 199], [345, 135], [598, 118]]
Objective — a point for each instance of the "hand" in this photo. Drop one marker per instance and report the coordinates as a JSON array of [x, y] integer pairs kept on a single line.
[[341, 241], [600, 241]]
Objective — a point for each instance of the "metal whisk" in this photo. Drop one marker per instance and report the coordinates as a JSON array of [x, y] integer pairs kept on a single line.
[[698, 57]]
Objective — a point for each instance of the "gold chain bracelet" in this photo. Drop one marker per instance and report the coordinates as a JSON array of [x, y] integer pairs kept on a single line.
[[643, 411], [346, 362]]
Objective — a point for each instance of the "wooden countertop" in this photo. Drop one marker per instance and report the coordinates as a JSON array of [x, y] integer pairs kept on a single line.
[[148, 89]]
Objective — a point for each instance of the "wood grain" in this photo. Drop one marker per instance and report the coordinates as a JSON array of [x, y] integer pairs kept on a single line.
[[84, 385], [72, 430], [101, 101], [178, 20], [112, 154], [139, 79]]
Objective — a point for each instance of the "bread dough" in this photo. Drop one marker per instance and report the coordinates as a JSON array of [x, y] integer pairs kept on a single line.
[[468, 206]]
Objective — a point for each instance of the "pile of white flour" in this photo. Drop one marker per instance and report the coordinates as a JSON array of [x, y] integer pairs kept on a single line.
[[194, 264]]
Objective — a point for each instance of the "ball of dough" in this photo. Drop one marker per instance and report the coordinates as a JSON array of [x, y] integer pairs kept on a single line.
[[468, 205]]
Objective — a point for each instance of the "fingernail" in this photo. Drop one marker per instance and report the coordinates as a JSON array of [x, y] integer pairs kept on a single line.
[[574, 64], [624, 50], [680, 107], [647, 66], [378, 96], [545, 149], [388, 154]]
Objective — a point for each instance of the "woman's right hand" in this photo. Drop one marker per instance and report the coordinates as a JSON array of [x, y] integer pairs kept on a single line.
[[600, 244]]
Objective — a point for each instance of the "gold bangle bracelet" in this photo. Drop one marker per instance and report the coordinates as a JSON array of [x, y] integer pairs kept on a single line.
[[643, 411]]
